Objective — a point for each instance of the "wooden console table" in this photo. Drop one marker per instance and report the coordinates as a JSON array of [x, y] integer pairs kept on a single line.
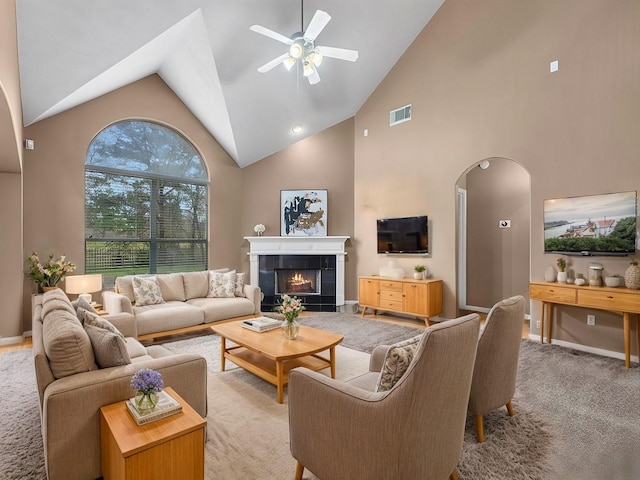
[[622, 301], [422, 298]]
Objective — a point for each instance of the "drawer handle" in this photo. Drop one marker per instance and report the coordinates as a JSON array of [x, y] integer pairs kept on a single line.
[[609, 296]]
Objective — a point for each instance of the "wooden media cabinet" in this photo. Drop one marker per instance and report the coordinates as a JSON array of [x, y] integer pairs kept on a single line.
[[420, 298]]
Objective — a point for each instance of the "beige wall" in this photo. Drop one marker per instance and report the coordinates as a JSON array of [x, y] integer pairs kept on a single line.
[[478, 79], [497, 258], [54, 173], [324, 161], [10, 178]]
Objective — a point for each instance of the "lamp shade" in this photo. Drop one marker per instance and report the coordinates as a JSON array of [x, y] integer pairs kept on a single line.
[[84, 284]]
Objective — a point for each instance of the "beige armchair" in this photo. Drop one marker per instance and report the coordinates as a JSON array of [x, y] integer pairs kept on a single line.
[[494, 375], [413, 430]]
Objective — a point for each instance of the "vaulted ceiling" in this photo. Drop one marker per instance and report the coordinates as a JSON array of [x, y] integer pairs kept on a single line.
[[72, 51]]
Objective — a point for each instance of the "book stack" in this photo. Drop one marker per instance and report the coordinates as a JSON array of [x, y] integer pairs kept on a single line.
[[261, 324], [167, 405]]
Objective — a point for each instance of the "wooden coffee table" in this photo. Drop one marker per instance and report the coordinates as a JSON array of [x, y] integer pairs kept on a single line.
[[271, 357]]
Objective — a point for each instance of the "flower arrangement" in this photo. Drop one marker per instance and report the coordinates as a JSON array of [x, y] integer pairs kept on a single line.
[[259, 229], [290, 307], [147, 383], [561, 263], [51, 272]]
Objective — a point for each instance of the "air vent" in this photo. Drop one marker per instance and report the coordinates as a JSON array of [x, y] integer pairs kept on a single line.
[[400, 115]]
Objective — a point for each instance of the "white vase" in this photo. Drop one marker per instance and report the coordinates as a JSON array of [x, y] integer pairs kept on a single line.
[[418, 275], [562, 277]]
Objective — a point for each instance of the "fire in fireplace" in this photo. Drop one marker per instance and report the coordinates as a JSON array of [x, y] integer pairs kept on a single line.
[[298, 282]]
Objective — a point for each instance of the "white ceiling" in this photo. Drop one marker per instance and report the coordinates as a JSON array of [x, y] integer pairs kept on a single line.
[[72, 51]]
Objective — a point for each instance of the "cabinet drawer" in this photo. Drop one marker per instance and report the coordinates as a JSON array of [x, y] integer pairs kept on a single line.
[[553, 293], [608, 300], [390, 304], [391, 285], [390, 296]]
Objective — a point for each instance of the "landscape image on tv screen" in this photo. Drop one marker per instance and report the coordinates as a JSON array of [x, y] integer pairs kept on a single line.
[[592, 224]]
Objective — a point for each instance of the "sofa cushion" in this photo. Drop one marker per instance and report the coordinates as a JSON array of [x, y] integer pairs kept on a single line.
[[396, 362], [171, 286], [146, 291], [66, 344], [135, 348], [56, 300], [222, 285], [109, 348], [124, 286], [166, 316], [239, 286], [223, 308], [196, 284]]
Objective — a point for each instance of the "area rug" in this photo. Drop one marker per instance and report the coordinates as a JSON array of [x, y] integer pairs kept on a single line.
[[577, 416]]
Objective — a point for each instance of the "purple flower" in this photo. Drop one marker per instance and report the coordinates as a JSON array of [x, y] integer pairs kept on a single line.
[[147, 381]]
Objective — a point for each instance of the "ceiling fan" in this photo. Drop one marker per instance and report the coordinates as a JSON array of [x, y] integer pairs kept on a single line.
[[302, 47]]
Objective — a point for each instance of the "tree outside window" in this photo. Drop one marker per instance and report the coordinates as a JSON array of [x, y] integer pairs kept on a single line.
[[146, 192]]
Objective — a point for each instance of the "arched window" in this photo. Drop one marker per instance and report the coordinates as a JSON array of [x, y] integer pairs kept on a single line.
[[146, 192]]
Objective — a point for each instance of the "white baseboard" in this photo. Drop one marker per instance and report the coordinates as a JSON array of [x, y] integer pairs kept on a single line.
[[586, 348], [11, 340]]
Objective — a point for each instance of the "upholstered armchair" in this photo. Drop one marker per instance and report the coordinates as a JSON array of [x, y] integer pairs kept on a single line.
[[414, 429], [494, 375]]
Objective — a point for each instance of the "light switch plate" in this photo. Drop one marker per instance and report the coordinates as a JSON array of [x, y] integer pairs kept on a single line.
[[504, 223]]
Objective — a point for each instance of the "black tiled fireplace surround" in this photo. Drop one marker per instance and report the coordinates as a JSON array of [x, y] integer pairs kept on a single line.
[[325, 302]]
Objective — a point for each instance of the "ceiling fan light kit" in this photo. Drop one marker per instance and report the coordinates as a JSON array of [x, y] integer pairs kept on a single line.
[[302, 47]]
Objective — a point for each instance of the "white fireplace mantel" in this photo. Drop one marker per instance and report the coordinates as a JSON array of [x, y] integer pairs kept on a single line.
[[330, 245]]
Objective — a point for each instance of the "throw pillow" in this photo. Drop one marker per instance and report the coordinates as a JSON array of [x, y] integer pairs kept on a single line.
[[222, 285], [396, 362], [239, 289], [147, 291], [97, 321], [82, 304], [110, 349]]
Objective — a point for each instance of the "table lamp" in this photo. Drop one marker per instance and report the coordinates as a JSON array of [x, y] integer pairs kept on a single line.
[[83, 285]]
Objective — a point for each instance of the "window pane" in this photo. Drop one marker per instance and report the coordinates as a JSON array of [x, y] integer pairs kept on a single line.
[[145, 203], [145, 147]]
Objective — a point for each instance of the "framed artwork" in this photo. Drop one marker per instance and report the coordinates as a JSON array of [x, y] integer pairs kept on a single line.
[[303, 213]]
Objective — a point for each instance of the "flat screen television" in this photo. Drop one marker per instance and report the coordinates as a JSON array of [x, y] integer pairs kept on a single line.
[[591, 225], [403, 235]]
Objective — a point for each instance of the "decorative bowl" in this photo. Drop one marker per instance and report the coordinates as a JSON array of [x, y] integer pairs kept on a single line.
[[580, 281], [612, 281]]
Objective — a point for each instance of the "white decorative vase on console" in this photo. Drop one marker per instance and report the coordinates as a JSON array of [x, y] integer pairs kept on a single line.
[[562, 277]]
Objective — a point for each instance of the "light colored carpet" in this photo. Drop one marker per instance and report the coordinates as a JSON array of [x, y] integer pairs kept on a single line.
[[577, 416]]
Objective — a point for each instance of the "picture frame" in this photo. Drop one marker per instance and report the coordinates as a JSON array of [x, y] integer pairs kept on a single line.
[[303, 213]]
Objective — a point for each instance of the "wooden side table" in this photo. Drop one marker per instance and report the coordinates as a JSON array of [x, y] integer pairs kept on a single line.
[[169, 448]]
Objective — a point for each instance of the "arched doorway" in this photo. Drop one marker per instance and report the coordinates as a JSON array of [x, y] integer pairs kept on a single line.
[[493, 232]]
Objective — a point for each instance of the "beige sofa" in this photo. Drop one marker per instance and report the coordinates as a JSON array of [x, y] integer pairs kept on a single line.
[[184, 302], [72, 387]]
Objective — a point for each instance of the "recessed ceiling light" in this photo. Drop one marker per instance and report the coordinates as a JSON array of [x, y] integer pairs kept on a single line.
[[297, 128]]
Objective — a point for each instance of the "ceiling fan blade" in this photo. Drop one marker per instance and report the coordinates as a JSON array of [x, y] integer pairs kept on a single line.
[[339, 53], [314, 77], [273, 63], [318, 22], [270, 33]]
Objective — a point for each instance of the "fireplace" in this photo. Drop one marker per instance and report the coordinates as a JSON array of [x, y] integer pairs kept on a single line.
[[310, 268], [311, 278], [294, 281]]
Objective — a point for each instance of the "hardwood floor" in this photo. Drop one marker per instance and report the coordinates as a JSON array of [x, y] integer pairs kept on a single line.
[[386, 317]]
